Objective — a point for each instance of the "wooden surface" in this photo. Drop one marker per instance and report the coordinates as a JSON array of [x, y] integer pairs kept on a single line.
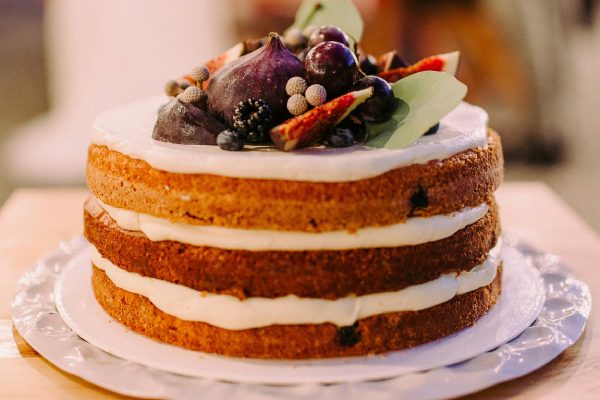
[[33, 222]]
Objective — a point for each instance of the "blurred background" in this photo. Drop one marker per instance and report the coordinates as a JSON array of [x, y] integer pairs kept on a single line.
[[534, 65]]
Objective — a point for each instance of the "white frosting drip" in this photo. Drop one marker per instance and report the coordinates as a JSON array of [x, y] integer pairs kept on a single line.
[[229, 312], [127, 129], [414, 231]]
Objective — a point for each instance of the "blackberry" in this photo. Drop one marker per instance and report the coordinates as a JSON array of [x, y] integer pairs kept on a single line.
[[230, 140], [252, 119]]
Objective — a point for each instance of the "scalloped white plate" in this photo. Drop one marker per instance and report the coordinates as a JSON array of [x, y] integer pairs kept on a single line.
[[560, 323]]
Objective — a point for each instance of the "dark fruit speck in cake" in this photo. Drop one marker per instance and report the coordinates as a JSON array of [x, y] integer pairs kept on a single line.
[[419, 199], [348, 336]]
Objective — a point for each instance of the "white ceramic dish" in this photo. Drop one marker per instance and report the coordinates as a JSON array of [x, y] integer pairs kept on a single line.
[[560, 323]]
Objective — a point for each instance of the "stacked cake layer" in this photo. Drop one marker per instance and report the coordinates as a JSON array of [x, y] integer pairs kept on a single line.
[[304, 255]]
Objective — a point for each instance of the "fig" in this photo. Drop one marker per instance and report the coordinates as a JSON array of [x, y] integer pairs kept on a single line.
[[442, 62], [310, 127], [262, 74], [390, 60], [183, 123]]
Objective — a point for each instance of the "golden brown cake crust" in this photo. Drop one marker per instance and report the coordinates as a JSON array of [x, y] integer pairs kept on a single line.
[[437, 187], [377, 334], [321, 274]]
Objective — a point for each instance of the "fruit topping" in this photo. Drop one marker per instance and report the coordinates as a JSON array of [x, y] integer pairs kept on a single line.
[[313, 125], [432, 130], [295, 40], [295, 85], [390, 60], [332, 65], [368, 64], [262, 74], [200, 74], [340, 137], [327, 33], [316, 95], [172, 88], [184, 123], [379, 107], [193, 95], [441, 63], [297, 104], [356, 126], [252, 119], [308, 30], [231, 140]]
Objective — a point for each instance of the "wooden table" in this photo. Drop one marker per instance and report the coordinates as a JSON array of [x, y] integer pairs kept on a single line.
[[32, 222]]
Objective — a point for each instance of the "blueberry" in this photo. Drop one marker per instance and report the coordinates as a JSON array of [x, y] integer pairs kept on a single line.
[[230, 140], [432, 130], [340, 137], [349, 336]]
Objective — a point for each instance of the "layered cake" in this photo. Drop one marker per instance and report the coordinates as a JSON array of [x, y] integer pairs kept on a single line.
[[297, 215]]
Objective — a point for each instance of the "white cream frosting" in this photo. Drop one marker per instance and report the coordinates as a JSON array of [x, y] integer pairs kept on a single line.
[[229, 312], [128, 129], [414, 231]]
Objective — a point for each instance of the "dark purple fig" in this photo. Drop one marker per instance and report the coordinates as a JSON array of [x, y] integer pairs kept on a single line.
[[379, 107], [184, 123], [332, 65], [261, 74]]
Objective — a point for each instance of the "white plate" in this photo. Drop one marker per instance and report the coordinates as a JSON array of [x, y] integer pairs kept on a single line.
[[560, 323], [519, 305]]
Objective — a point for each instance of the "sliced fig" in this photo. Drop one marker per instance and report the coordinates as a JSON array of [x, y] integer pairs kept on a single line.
[[442, 62], [390, 60], [308, 128], [184, 123], [262, 74]]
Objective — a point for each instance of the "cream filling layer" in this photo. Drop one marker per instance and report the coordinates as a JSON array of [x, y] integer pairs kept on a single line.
[[414, 231], [229, 312]]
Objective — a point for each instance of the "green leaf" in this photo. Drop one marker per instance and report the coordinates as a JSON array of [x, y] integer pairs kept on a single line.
[[430, 97], [341, 13]]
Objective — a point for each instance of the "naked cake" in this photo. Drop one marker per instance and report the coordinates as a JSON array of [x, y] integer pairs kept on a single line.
[[318, 211]]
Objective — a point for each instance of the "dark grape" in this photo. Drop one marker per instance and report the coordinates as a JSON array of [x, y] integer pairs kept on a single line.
[[379, 106], [328, 33], [332, 65], [368, 64]]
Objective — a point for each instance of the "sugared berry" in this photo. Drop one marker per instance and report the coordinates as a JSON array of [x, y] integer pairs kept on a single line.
[[172, 88], [200, 73], [380, 105], [328, 33], [297, 104], [340, 137], [295, 85], [432, 130], [332, 65], [252, 119], [316, 95], [192, 95], [230, 140]]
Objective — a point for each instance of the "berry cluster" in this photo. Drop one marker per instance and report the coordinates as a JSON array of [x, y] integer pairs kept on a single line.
[[251, 120]]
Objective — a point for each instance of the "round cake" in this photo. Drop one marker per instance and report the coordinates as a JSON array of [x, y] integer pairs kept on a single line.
[[386, 249], [297, 198]]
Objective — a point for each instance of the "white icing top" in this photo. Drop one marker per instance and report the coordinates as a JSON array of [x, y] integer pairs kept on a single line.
[[414, 231], [229, 312], [128, 129]]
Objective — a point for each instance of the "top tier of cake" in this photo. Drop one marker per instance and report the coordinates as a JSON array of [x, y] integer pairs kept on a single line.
[[126, 129]]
